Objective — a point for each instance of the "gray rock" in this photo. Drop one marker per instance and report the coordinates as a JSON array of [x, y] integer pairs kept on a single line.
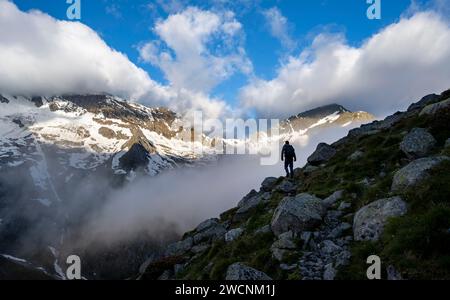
[[418, 143], [339, 230], [300, 213], [166, 275], [329, 273], [211, 233], [263, 230], [447, 143], [423, 102], [393, 274], [356, 155], [287, 186], [329, 247], [268, 184], [248, 205], [200, 248], [239, 271], [283, 246], [247, 198], [179, 248], [414, 172], [309, 169], [306, 236], [343, 258], [434, 108], [336, 196], [344, 206], [323, 153], [207, 224], [369, 221], [286, 267], [233, 234]]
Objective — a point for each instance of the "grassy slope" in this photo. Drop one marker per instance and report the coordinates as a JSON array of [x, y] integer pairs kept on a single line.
[[418, 244]]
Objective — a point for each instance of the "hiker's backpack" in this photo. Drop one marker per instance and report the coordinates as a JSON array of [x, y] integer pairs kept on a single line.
[[289, 151]]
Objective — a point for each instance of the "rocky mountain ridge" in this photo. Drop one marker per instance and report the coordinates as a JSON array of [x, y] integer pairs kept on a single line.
[[382, 190]]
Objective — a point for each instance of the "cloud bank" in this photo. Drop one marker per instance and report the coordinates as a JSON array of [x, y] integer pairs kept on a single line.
[[387, 72], [44, 56]]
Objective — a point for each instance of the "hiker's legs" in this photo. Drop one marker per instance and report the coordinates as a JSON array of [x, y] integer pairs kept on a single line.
[[291, 167], [286, 167]]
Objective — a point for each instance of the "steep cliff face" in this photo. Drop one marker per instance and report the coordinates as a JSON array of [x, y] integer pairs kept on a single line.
[[384, 191]]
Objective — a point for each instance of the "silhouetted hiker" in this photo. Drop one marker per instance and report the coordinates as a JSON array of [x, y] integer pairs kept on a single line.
[[288, 155]]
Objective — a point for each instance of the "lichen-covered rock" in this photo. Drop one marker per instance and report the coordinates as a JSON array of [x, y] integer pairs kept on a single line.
[[233, 234], [239, 271], [323, 153], [370, 220], [414, 172], [329, 273], [434, 108], [296, 214], [418, 143]]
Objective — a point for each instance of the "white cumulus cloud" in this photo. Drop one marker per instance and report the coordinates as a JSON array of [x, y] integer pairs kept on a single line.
[[41, 55], [401, 63], [198, 49]]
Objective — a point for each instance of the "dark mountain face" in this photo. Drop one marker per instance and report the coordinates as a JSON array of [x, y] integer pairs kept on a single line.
[[322, 112]]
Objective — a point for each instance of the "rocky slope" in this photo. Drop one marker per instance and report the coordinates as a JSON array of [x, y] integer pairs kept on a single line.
[[382, 190]]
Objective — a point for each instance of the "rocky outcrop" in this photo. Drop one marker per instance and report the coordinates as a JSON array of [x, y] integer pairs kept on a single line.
[[3, 99], [323, 153], [370, 220], [418, 143], [432, 109], [297, 214], [137, 157], [179, 248], [268, 184], [283, 246], [415, 171], [239, 271]]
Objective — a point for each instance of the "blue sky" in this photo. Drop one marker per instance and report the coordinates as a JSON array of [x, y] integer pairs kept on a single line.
[[124, 24], [276, 60]]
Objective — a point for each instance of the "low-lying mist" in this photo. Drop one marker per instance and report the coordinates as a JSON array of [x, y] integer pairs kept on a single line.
[[179, 199]]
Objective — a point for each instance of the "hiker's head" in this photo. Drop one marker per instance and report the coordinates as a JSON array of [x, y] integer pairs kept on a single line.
[[287, 142]]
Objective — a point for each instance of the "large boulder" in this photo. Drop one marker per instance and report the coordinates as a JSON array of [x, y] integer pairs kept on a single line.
[[418, 143], [297, 214], [432, 109], [414, 172], [248, 203], [323, 153], [179, 248], [268, 184], [239, 271], [370, 220], [209, 230]]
